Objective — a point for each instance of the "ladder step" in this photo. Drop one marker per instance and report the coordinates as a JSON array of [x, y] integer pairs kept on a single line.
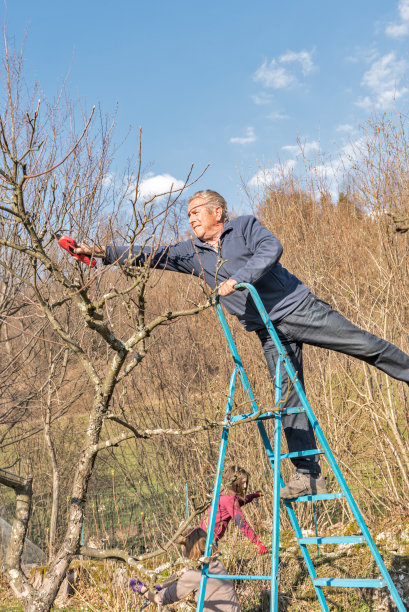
[[240, 418], [314, 451], [350, 582], [321, 496], [333, 540], [249, 416], [238, 577], [293, 410]]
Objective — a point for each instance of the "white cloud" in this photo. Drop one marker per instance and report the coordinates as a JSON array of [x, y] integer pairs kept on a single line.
[[274, 75], [262, 98], [304, 57], [327, 172], [366, 103], [352, 152], [384, 79], [302, 149], [396, 30], [157, 184], [384, 72], [404, 9], [387, 98], [108, 180], [275, 115], [332, 172], [247, 139], [273, 175], [363, 54], [345, 127]]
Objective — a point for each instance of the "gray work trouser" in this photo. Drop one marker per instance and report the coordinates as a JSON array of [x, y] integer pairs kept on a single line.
[[315, 322]]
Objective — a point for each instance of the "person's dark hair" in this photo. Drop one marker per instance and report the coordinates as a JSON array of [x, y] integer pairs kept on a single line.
[[233, 479], [211, 199], [194, 541]]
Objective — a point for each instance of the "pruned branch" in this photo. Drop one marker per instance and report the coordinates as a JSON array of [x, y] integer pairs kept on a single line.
[[8, 479], [150, 433], [110, 553], [149, 575], [146, 434]]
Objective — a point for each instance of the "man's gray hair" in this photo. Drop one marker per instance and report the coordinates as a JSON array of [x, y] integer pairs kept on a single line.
[[211, 199]]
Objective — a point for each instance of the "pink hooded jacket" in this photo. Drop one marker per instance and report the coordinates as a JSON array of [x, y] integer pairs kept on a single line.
[[229, 507]]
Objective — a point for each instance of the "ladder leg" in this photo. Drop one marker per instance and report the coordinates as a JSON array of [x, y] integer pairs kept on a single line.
[[212, 518], [276, 513], [355, 510], [294, 522], [216, 493]]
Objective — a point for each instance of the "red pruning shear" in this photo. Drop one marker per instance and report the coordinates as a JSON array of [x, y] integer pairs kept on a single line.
[[69, 244]]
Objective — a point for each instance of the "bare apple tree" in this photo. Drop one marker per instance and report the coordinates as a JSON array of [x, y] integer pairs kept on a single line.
[[55, 179]]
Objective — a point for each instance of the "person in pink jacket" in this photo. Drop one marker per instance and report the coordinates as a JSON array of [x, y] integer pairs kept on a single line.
[[230, 504]]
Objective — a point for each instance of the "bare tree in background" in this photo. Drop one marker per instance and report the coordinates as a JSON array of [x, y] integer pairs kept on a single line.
[[54, 181]]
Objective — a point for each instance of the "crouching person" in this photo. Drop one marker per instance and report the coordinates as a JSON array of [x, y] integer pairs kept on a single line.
[[220, 595]]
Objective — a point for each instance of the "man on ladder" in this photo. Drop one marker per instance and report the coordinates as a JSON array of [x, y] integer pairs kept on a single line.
[[242, 250]]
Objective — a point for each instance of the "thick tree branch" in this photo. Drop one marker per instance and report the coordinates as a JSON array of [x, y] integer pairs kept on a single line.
[[150, 433], [146, 434], [168, 316], [8, 479]]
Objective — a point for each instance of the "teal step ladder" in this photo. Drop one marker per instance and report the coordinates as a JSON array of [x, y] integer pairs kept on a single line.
[[274, 456]]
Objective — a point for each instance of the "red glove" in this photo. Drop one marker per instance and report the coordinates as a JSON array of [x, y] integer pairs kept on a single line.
[[262, 550], [258, 493], [69, 244]]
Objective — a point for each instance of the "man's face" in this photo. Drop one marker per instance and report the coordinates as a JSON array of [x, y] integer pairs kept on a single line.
[[206, 223]]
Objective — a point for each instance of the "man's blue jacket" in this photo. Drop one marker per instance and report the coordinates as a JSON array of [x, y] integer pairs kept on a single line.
[[248, 252]]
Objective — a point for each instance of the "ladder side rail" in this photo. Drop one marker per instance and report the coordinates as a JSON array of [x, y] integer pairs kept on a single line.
[[355, 510], [275, 552], [294, 521], [220, 465], [278, 382], [282, 353], [269, 450], [276, 513], [216, 492], [237, 360]]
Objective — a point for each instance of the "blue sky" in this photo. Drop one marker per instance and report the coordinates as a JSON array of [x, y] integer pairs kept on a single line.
[[230, 84]]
